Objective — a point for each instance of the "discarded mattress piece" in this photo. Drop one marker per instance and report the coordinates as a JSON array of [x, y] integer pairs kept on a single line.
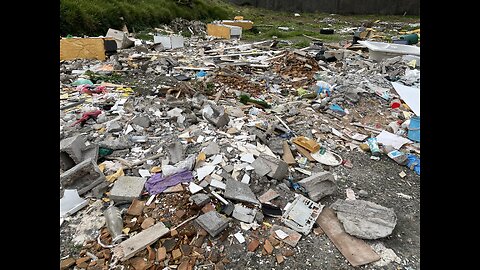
[[302, 214], [365, 219]]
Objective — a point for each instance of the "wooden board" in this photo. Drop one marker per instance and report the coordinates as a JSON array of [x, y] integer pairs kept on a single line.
[[287, 154], [133, 245], [305, 152], [355, 250], [82, 48]]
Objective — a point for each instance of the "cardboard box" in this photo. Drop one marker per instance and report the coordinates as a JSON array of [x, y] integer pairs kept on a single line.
[[82, 48], [169, 42], [224, 31]]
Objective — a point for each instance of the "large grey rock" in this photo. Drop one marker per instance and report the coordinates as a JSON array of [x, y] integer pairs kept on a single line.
[[268, 165], [215, 115], [114, 127], [213, 222], [127, 188], [83, 177], [365, 219], [119, 143], [142, 121], [211, 149], [243, 213], [176, 152], [319, 185], [73, 151], [238, 191]]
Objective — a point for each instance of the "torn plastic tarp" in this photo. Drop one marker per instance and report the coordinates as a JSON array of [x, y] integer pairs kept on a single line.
[[157, 183]]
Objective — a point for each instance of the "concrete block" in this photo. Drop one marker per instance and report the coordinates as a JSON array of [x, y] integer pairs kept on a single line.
[[91, 152], [100, 189], [319, 185], [82, 177], [213, 222], [199, 199], [169, 42], [276, 168], [239, 191], [215, 115], [227, 209], [243, 213], [365, 219], [127, 188], [71, 151]]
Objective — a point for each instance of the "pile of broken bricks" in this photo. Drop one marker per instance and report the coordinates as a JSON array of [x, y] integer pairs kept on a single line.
[[191, 175]]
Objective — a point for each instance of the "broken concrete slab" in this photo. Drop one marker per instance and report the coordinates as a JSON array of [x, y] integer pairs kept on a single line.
[[127, 188], [268, 165], [140, 241], [319, 185], [239, 191], [355, 250], [82, 177], [204, 171], [215, 115], [243, 213], [268, 196], [99, 190], [302, 214], [114, 127], [213, 222], [142, 121], [365, 219], [199, 199], [211, 149], [293, 236], [176, 152], [120, 38]]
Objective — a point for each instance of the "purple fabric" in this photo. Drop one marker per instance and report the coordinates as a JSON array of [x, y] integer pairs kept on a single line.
[[157, 183]]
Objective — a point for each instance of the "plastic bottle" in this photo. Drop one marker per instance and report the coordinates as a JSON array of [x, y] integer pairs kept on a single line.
[[114, 221], [372, 143]]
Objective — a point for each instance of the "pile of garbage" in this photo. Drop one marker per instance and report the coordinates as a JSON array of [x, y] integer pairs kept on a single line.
[[173, 152]]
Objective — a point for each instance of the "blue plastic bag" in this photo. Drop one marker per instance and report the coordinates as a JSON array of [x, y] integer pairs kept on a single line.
[[413, 163], [201, 73]]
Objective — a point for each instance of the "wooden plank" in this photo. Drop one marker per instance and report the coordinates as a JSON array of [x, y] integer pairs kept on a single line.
[[133, 245], [305, 152], [355, 250], [287, 154]]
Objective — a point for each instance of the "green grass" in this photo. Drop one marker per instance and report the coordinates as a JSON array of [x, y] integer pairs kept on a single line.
[[94, 17]]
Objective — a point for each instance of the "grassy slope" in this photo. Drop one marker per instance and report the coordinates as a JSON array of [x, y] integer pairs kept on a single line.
[[94, 17]]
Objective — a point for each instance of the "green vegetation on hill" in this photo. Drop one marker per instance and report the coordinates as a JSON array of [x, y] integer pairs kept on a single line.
[[94, 17]]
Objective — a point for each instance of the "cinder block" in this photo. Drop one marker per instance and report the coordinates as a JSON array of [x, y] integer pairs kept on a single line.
[[319, 185], [71, 151], [82, 177]]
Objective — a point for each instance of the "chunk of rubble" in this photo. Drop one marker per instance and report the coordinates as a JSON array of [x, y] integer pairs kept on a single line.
[[127, 188], [213, 222], [238, 191], [82, 177], [268, 165], [365, 219], [319, 185], [244, 214], [215, 115]]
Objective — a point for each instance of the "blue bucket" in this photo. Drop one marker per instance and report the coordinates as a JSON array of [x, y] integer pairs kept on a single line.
[[414, 129]]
